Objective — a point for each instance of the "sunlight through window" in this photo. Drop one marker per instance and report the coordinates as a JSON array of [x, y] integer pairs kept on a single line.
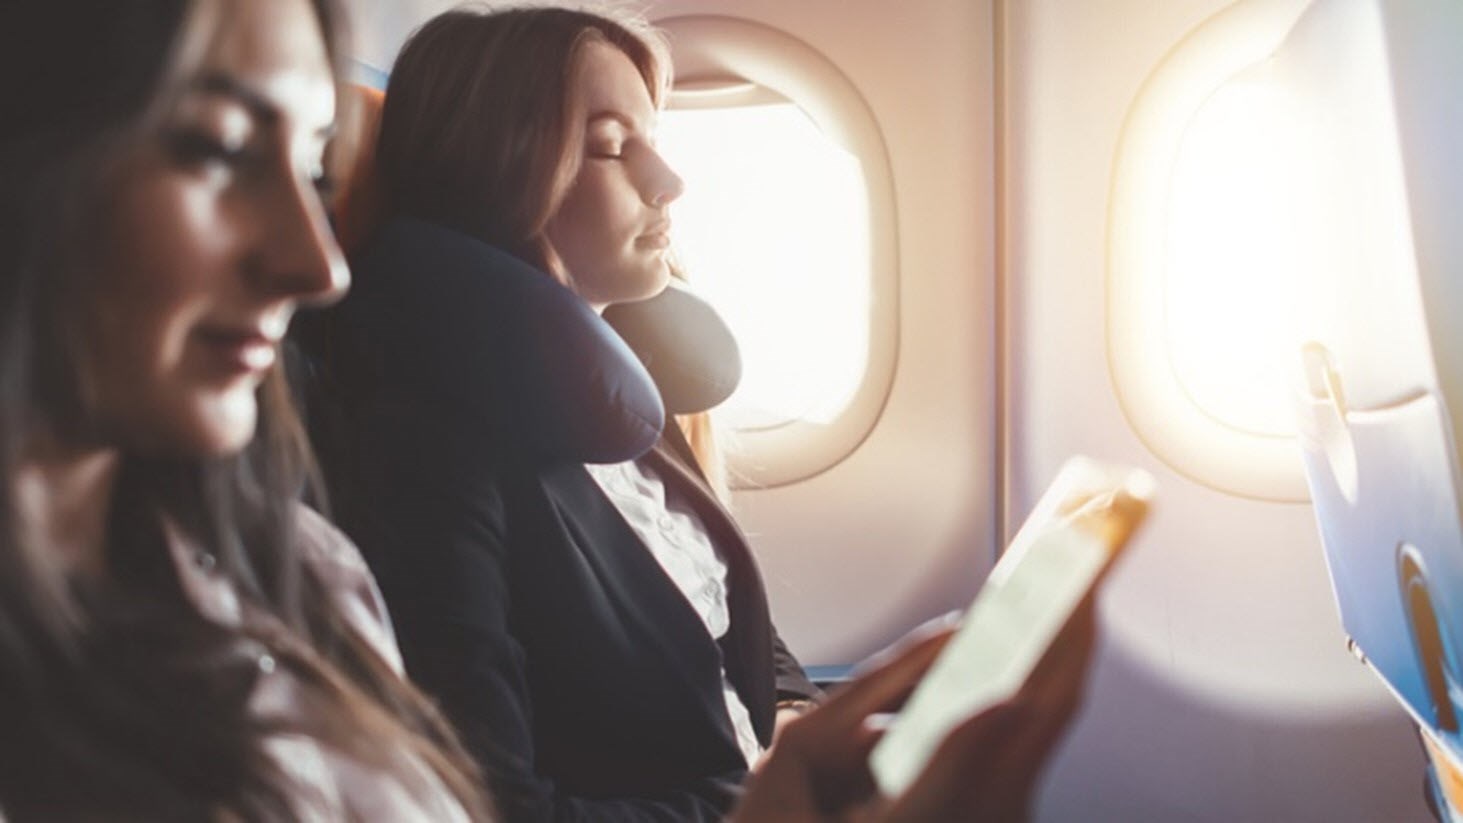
[[1232, 262], [1260, 205], [1287, 220], [773, 230]]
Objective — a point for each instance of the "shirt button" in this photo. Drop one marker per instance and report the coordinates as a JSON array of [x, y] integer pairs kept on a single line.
[[206, 561], [266, 663]]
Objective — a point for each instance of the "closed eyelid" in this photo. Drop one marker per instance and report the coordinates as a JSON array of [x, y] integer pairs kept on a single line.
[[619, 122], [605, 137], [602, 132], [605, 141]]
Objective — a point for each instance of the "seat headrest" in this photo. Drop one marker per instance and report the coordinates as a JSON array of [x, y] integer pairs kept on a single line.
[[358, 206], [461, 324], [684, 344]]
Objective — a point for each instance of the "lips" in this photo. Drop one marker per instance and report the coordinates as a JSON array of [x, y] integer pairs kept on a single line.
[[658, 237], [654, 241], [239, 351]]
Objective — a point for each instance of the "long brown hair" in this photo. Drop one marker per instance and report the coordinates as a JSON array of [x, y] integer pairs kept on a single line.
[[117, 699], [482, 131]]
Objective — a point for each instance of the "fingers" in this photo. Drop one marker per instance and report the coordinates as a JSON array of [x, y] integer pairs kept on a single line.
[[886, 679], [780, 789], [984, 770], [956, 784], [825, 752], [933, 627], [1058, 681], [988, 767]]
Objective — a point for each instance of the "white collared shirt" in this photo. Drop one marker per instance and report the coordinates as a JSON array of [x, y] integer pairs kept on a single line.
[[678, 540]]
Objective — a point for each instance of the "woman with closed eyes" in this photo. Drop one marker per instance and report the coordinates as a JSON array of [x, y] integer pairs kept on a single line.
[[592, 620]]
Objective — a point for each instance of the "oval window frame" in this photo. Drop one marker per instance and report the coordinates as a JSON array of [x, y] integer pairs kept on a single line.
[[717, 54], [1152, 396]]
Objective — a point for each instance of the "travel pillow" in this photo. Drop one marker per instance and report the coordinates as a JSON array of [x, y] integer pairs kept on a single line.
[[685, 345], [459, 324]]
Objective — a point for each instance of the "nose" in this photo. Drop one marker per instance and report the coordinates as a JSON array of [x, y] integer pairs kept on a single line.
[[300, 258], [661, 185]]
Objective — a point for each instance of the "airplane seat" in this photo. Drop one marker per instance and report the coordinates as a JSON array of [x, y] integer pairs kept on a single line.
[[1380, 385], [359, 206]]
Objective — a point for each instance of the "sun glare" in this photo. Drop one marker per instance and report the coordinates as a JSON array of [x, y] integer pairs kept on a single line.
[[1287, 223], [1231, 258], [773, 230]]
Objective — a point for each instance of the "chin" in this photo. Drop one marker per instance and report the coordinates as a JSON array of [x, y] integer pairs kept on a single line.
[[220, 428], [657, 283], [227, 444]]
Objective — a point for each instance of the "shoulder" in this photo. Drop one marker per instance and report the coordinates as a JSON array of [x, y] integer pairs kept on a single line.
[[339, 567], [326, 548]]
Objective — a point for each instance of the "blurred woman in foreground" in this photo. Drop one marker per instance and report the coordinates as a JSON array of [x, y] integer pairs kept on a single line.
[[179, 638]]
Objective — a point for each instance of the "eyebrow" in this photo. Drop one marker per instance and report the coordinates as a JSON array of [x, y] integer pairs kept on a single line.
[[258, 105]]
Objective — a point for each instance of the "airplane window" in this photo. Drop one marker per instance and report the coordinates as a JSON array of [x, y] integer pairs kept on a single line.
[[1259, 206], [787, 226], [1202, 263], [773, 231]]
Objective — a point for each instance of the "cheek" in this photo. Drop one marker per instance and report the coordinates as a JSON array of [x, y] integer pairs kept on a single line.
[[574, 229], [594, 217], [154, 393], [164, 269], [157, 278], [136, 347]]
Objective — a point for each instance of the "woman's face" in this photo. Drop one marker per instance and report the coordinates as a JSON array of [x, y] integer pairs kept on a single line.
[[214, 234], [612, 230]]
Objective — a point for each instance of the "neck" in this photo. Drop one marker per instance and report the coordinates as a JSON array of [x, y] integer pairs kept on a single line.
[[65, 494]]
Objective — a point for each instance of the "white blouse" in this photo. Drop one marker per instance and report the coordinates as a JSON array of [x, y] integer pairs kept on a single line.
[[679, 542]]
